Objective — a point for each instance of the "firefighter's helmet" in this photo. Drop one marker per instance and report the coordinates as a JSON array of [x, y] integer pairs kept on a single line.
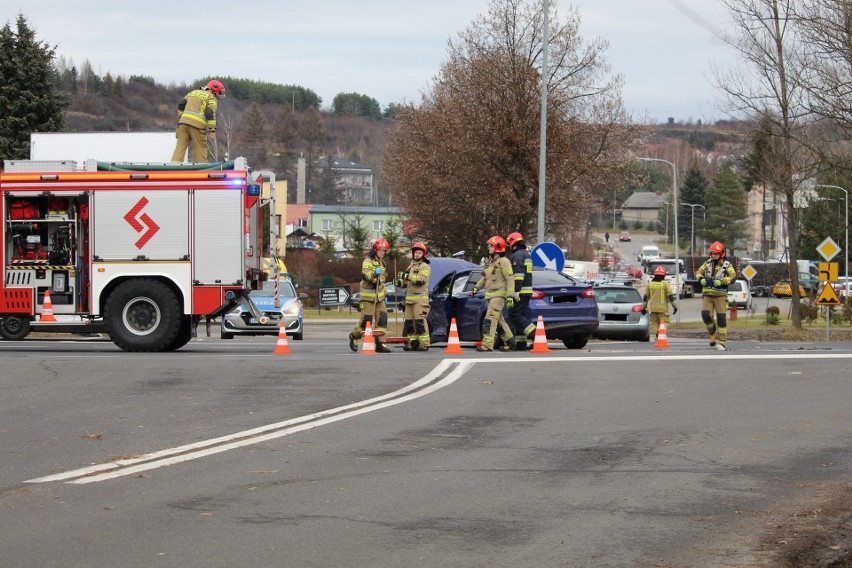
[[380, 244], [498, 242], [514, 238], [419, 245], [660, 271], [216, 87], [717, 247]]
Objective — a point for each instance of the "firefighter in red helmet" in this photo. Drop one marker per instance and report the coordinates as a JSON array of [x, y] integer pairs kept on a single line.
[[415, 280], [518, 318], [714, 276], [197, 121], [499, 285], [372, 301], [658, 298]]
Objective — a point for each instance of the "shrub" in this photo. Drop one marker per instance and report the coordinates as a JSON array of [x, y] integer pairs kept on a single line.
[[810, 312], [773, 310], [773, 315]]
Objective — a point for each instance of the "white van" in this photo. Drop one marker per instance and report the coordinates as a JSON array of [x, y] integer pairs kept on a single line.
[[739, 294], [648, 252]]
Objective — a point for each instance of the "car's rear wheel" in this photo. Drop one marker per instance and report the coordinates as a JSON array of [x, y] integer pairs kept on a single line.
[[576, 341]]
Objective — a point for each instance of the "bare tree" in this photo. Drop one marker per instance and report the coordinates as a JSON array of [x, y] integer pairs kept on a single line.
[[768, 89], [464, 164]]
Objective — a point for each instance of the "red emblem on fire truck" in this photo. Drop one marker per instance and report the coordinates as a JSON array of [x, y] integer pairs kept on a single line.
[[146, 222]]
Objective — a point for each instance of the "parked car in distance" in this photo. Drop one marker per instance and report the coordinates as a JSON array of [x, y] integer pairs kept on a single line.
[[624, 236], [567, 306], [843, 287], [394, 299], [620, 313], [784, 289], [239, 320], [739, 294]]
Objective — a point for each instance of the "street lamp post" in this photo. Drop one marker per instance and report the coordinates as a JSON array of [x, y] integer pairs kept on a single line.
[[846, 203], [674, 207], [692, 233]]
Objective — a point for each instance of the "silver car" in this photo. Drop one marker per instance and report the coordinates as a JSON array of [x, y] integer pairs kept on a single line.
[[240, 322], [620, 313]]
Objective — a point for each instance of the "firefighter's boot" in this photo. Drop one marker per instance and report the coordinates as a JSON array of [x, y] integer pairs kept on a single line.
[[411, 346], [382, 347], [353, 342], [509, 345], [712, 340]]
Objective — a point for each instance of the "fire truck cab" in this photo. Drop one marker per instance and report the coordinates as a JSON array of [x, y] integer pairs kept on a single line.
[[139, 251]]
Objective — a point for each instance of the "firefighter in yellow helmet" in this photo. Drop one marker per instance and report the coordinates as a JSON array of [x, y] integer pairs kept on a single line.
[[197, 121], [658, 298], [499, 284], [415, 280], [372, 304], [714, 276]]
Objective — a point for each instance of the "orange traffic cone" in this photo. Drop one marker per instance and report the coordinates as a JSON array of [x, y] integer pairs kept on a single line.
[[662, 341], [47, 308], [540, 343], [282, 347], [453, 345], [368, 347]]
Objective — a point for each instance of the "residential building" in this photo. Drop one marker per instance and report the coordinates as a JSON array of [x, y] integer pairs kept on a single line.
[[333, 221], [643, 206]]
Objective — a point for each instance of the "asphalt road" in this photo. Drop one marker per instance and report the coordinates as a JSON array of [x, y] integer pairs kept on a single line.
[[223, 454]]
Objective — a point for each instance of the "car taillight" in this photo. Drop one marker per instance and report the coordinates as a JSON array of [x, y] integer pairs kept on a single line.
[[588, 293], [636, 308], [537, 295]]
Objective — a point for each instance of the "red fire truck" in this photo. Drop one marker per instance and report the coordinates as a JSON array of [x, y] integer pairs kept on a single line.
[[139, 251]]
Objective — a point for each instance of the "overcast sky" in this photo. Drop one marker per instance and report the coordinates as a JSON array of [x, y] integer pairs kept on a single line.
[[386, 49]]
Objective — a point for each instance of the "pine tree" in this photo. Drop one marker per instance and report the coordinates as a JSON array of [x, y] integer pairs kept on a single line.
[[726, 210], [29, 96], [690, 195]]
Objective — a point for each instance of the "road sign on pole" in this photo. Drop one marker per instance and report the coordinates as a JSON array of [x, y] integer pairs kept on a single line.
[[548, 255], [334, 296]]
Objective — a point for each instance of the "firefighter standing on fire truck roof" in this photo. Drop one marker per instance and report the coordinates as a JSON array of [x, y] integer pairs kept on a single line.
[[714, 277], [499, 284], [416, 282], [197, 115], [659, 296], [372, 305], [522, 266]]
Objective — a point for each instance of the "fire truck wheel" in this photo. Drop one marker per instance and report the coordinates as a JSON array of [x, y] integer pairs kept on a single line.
[[143, 315], [14, 328], [184, 336]]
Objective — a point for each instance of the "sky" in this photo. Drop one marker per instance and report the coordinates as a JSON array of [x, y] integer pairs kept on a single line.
[[390, 50]]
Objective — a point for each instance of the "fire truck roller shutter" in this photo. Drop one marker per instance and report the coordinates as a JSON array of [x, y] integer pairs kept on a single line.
[[143, 314]]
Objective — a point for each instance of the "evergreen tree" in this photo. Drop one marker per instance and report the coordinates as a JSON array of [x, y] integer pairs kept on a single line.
[[691, 194], [254, 138], [726, 210], [29, 96]]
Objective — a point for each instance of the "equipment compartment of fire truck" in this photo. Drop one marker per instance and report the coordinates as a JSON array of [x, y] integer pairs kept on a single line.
[[141, 252]]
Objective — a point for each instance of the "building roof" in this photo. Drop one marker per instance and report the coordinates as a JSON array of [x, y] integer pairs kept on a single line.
[[342, 164], [643, 200]]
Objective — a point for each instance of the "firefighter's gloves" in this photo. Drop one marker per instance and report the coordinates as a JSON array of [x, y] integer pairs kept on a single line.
[[717, 283], [674, 311], [703, 282], [473, 292], [510, 302], [378, 271], [644, 311]]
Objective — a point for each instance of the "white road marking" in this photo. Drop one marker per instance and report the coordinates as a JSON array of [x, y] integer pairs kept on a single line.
[[450, 369], [101, 472]]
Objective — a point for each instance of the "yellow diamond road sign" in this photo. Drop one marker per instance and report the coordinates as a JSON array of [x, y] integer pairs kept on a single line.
[[828, 248], [749, 272]]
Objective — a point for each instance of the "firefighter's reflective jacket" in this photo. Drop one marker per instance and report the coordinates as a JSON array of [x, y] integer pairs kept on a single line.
[[498, 278], [522, 266], [198, 109], [658, 297], [711, 270], [417, 289], [372, 285]]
